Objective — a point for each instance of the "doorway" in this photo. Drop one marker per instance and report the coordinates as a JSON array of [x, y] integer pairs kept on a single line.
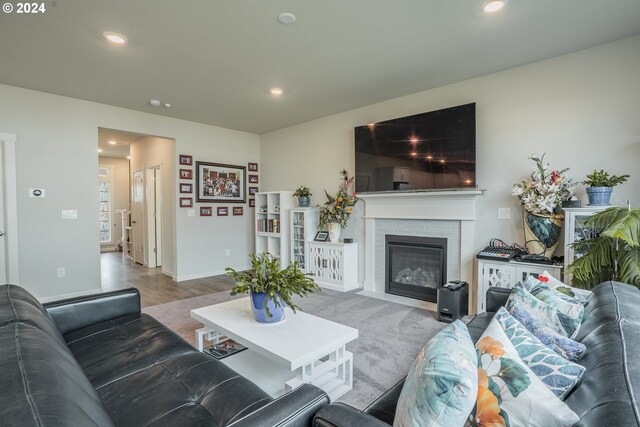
[[8, 210]]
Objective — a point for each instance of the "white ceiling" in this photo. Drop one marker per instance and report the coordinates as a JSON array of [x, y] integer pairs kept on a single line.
[[215, 60], [122, 139]]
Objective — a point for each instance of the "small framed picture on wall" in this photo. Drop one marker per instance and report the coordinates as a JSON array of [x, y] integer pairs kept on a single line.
[[186, 202], [253, 191], [186, 188], [186, 174], [186, 160], [237, 210], [223, 211], [252, 203], [206, 211], [253, 167], [253, 179]]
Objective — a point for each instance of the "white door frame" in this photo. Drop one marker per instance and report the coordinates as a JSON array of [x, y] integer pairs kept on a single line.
[[8, 143], [153, 207]]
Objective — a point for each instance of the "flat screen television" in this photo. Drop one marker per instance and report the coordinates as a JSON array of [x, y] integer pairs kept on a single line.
[[428, 151]]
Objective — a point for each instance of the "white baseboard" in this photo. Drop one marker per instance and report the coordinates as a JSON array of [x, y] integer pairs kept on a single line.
[[205, 274], [426, 305], [70, 295]]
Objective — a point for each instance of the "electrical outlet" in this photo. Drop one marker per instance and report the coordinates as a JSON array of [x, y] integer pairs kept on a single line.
[[61, 272], [227, 252], [69, 214], [504, 213]]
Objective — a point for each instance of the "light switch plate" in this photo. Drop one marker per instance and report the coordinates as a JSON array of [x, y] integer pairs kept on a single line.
[[504, 213], [69, 214]]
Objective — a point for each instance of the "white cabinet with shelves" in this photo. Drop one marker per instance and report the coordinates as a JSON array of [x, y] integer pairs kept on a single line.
[[272, 224], [576, 231], [334, 265], [303, 227], [506, 274]]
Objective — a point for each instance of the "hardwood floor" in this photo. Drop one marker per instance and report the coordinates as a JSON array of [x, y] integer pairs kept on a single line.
[[155, 288]]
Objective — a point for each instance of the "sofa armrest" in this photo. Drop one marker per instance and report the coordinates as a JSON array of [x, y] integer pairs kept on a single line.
[[294, 409], [341, 415], [496, 298], [75, 313]]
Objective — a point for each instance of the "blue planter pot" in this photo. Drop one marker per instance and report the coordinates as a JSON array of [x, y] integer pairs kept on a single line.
[[304, 201], [259, 312], [599, 196]]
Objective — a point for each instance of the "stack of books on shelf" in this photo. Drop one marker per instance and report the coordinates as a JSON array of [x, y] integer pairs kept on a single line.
[[268, 225]]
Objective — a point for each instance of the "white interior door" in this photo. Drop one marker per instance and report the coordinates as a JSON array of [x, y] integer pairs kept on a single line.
[[137, 217]]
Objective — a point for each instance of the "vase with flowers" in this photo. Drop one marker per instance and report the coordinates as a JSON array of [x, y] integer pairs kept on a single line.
[[336, 210], [541, 196]]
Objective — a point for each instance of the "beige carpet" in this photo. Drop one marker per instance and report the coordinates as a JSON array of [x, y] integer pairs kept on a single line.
[[390, 334]]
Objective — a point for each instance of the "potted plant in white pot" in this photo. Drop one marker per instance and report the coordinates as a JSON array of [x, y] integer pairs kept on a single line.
[[270, 288], [304, 196], [600, 186]]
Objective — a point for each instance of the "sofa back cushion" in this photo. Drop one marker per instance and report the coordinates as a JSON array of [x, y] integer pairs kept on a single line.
[[42, 383], [611, 332]]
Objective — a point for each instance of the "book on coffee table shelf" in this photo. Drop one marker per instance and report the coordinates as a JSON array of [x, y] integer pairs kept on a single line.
[[224, 349]]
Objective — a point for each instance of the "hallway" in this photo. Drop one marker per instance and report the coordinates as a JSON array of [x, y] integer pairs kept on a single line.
[[155, 288]]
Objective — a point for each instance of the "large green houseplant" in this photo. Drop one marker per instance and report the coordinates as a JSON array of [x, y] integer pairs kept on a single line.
[[614, 254], [270, 287]]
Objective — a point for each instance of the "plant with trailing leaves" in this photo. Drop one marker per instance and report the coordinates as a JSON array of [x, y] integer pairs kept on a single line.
[[602, 179], [614, 254], [338, 208], [302, 192], [267, 277]]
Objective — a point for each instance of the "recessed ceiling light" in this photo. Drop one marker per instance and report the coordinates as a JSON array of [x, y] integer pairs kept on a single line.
[[276, 91], [493, 6], [112, 142], [115, 38], [155, 102], [287, 18], [99, 150], [167, 105]]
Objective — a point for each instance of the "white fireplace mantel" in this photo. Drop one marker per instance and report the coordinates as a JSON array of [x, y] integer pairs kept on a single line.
[[448, 205]]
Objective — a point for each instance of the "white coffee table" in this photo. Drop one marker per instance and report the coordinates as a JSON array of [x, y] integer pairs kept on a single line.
[[282, 356]]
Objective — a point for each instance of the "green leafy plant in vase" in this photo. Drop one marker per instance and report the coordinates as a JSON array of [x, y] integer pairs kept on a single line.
[[614, 254], [304, 196], [270, 287], [600, 186]]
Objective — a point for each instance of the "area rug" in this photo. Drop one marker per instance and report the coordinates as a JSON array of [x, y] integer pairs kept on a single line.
[[390, 334]]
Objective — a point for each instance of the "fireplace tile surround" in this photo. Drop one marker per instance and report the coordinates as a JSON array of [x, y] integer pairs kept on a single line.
[[446, 214]]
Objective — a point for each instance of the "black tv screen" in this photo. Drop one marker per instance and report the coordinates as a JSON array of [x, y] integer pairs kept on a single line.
[[428, 151]]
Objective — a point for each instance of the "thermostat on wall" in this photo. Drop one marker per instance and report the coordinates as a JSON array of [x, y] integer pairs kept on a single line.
[[36, 192]]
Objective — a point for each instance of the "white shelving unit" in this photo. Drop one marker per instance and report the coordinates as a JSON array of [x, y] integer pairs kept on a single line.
[[272, 224], [335, 265], [576, 231], [304, 225], [505, 274]]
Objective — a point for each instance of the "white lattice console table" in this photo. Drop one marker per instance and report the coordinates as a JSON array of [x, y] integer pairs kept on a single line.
[[505, 274], [335, 265]]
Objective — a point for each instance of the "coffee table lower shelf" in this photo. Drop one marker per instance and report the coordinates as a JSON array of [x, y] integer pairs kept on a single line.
[[332, 373]]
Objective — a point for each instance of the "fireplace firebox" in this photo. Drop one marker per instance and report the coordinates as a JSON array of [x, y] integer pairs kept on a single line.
[[415, 267]]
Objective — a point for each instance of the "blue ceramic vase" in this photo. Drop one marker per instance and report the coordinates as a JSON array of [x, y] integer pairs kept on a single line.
[[258, 308]]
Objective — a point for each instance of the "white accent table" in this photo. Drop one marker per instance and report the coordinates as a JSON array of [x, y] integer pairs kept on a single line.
[[284, 355], [334, 265]]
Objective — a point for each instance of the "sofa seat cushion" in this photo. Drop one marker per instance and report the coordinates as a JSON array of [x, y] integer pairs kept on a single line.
[[110, 350], [190, 389], [145, 374]]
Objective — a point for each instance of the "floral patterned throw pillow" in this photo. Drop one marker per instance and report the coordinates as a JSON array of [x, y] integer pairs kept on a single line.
[[552, 318], [561, 302], [565, 347], [509, 394], [557, 373], [580, 294], [440, 389]]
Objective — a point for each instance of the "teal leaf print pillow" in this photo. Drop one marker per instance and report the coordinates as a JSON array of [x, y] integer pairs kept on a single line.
[[557, 373], [561, 302], [442, 384], [509, 393]]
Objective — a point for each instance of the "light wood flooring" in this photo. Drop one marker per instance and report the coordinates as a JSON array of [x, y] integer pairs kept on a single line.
[[155, 288]]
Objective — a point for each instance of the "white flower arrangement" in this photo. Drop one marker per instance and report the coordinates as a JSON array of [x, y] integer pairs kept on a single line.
[[545, 190]]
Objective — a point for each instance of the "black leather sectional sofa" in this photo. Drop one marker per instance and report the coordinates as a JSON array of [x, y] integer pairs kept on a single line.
[[608, 392], [97, 361]]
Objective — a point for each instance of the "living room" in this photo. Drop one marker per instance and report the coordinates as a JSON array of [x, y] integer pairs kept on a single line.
[[578, 105]]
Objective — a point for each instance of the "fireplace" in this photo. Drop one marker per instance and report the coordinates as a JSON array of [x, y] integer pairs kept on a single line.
[[415, 267]]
